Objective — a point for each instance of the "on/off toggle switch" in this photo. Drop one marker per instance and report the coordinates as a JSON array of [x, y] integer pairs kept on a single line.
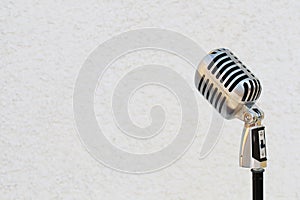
[[262, 141], [259, 150]]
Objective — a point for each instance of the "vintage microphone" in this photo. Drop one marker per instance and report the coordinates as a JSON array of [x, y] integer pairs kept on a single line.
[[232, 90]]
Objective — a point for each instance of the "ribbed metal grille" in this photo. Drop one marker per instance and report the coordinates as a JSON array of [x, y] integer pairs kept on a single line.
[[231, 72]]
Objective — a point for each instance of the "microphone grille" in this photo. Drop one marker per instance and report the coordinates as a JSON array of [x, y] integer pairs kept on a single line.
[[221, 78]]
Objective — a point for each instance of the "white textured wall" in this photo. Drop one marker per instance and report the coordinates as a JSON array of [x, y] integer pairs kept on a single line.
[[42, 47]]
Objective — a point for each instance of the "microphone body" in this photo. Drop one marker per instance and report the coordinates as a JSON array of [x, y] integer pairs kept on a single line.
[[226, 83], [232, 89]]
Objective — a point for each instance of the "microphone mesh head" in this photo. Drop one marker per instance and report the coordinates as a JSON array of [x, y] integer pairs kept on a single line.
[[226, 82]]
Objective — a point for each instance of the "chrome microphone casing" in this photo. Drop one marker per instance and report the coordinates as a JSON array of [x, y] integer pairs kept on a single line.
[[233, 90], [226, 83]]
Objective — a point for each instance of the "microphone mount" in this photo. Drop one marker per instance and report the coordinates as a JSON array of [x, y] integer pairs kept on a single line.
[[253, 144]]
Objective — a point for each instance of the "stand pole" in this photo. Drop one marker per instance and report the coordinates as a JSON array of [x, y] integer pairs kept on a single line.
[[257, 183]]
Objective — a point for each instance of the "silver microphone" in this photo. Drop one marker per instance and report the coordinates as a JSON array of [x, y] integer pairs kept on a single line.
[[233, 90]]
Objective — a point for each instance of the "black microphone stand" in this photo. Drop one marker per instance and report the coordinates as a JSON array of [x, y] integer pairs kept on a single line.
[[257, 183]]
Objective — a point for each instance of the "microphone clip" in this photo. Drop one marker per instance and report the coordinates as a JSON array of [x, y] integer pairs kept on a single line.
[[253, 151]]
